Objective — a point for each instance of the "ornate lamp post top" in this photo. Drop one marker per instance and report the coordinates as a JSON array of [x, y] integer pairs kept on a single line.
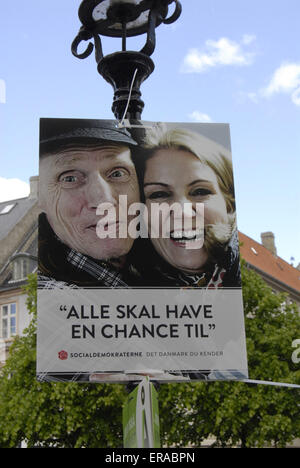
[[123, 18]]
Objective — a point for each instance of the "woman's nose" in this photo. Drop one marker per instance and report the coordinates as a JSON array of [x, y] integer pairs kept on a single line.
[[184, 214], [99, 191], [188, 209], [186, 206]]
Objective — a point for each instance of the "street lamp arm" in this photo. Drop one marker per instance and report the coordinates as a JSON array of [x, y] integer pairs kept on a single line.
[[149, 47]]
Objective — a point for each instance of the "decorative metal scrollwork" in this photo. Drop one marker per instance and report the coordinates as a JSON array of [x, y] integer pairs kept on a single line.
[[85, 35], [107, 26], [176, 14]]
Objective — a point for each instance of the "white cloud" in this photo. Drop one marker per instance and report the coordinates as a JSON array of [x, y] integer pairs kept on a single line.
[[285, 79], [253, 97], [296, 97], [11, 189], [197, 116], [244, 96], [2, 92], [248, 39], [223, 52]]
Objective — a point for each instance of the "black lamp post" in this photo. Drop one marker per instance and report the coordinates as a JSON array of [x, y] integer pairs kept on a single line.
[[125, 70]]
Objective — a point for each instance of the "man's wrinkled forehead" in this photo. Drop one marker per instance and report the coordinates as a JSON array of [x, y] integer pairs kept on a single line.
[[66, 157]]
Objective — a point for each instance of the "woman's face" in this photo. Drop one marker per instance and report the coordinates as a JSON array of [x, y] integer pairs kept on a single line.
[[178, 176]]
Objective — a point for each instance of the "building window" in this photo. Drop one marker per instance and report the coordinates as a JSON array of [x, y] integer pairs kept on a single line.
[[20, 269], [8, 323], [6, 209]]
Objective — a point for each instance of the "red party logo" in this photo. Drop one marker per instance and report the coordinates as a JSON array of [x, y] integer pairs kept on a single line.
[[63, 355]]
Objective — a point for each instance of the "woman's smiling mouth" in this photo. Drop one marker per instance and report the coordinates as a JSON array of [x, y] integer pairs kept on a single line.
[[184, 238]]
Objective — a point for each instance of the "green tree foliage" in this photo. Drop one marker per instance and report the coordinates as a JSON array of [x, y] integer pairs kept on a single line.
[[236, 413], [89, 415], [54, 414]]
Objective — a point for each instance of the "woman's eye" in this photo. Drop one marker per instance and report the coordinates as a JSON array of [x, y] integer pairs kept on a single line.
[[201, 192], [158, 194]]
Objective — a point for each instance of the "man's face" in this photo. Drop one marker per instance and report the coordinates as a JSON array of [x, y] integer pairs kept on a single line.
[[74, 182]]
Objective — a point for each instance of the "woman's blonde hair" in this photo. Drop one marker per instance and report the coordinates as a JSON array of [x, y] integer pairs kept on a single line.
[[207, 151], [213, 155]]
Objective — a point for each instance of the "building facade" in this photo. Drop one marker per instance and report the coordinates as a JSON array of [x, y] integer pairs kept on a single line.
[[276, 272], [18, 258]]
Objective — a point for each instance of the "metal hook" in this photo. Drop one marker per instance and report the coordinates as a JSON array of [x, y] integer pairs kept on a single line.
[[82, 36], [176, 14], [85, 35]]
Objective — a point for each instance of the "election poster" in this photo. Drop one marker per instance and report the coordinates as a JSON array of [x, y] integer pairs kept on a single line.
[[139, 266]]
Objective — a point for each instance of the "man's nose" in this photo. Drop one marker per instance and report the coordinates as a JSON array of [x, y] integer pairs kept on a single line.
[[99, 191]]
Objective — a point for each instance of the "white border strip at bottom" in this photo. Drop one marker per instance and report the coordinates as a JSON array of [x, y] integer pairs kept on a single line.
[[265, 382]]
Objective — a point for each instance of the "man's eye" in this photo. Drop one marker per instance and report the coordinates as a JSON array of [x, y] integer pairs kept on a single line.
[[118, 174], [71, 179], [159, 194]]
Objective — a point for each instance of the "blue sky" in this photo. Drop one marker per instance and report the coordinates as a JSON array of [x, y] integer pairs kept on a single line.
[[235, 62]]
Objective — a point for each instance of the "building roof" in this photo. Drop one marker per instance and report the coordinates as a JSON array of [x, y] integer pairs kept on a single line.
[[263, 260], [18, 237], [13, 211], [30, 252]]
